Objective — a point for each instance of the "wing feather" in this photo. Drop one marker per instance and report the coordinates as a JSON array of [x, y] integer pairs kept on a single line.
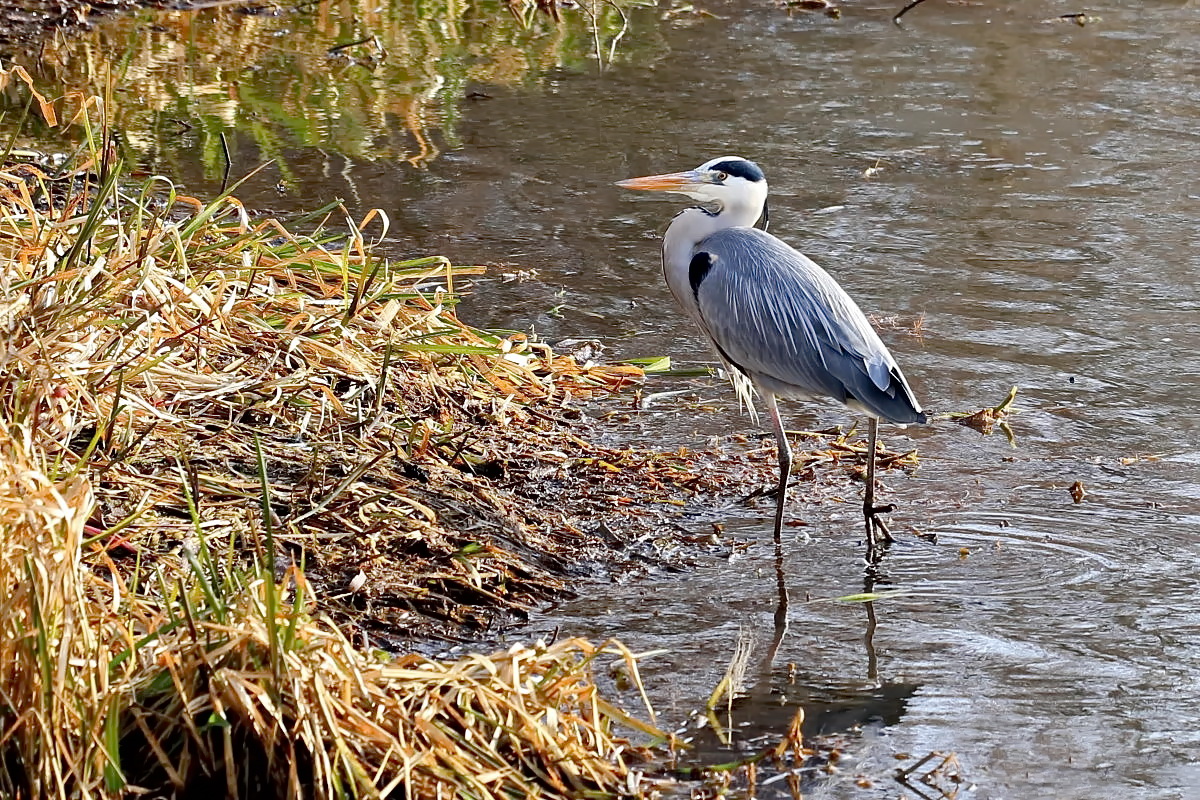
[[792, 329]]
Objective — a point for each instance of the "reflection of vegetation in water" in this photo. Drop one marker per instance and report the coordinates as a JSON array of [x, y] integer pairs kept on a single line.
[[358, 77]]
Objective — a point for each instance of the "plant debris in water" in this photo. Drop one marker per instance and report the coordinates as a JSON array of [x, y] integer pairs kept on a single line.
[[985, 419]]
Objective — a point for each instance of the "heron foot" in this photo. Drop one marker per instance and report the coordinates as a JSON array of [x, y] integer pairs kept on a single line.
[[880, 531], [871, 511], [877, 530]]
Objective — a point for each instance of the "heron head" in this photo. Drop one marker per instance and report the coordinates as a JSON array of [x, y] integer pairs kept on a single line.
[[732, 183]]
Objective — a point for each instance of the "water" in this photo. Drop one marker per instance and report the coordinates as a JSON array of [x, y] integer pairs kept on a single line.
[[1035, 201]]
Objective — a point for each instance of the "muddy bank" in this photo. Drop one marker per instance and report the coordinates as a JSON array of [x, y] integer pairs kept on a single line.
[[25, 23]]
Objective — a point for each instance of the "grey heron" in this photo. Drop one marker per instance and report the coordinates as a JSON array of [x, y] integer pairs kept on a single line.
[[780, 324]]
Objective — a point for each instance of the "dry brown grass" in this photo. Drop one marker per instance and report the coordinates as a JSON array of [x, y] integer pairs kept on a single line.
[[230, 684], [210, 425]]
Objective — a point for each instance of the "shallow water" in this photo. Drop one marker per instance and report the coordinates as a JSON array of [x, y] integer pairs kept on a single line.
[[1035, 201]]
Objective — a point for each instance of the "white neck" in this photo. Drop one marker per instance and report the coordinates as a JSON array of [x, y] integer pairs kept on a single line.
[[689, 228]]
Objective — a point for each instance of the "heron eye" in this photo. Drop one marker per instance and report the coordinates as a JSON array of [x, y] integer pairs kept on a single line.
[[721, 176]]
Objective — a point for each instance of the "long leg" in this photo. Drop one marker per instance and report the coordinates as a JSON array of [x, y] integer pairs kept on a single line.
[[872, 443], [876, 529], [785, 464]]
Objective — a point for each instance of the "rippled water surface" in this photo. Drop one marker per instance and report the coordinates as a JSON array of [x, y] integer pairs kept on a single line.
[[1034, 205]]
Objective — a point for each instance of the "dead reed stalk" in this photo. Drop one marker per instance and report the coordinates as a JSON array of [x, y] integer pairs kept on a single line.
[[200, 412]]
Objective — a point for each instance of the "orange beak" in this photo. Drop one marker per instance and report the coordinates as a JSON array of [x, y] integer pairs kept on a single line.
[[671, 182]]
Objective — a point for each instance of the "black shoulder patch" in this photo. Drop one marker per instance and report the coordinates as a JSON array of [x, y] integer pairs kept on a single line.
[[698, 270], [741, 168]]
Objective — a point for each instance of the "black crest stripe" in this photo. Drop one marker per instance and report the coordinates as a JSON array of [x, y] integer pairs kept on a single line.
[[739, 168]]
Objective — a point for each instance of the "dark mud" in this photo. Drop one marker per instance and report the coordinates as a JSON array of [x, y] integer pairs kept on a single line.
[[24, 24]]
